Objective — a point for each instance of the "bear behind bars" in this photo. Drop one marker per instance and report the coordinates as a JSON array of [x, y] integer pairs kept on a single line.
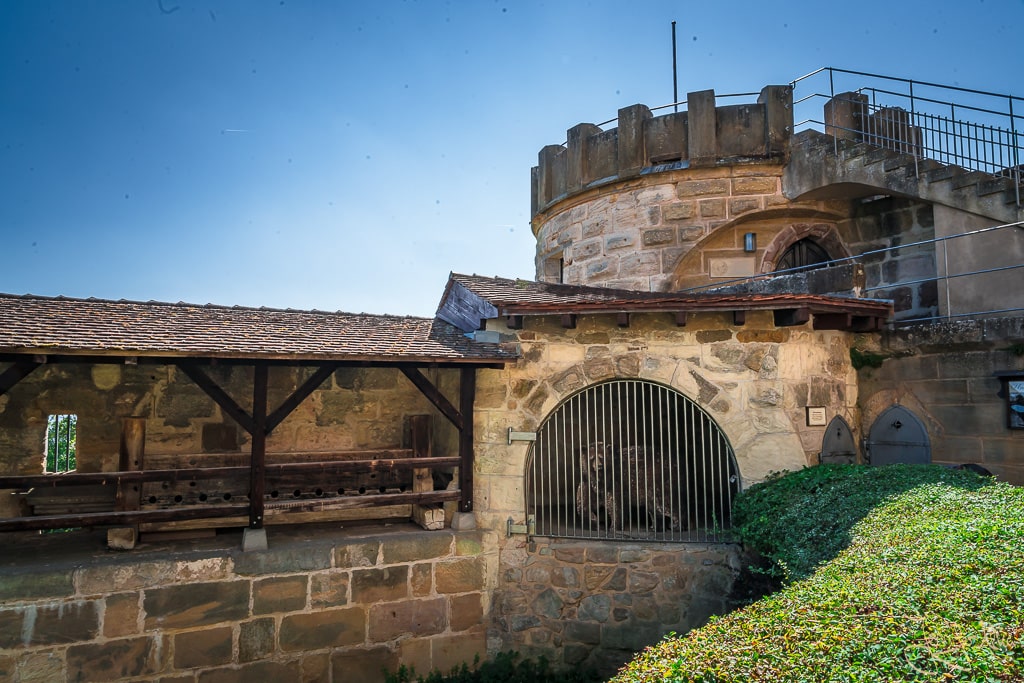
[[616, 484]]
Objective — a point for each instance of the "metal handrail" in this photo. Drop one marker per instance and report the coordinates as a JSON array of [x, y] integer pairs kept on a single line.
[[889, 286], [939, 134]]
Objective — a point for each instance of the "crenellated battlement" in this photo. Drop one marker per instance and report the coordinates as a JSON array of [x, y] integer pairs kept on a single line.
[[704, 135]]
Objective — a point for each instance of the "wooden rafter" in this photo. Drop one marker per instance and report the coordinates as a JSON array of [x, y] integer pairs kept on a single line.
[[435, 396], [14, 374]]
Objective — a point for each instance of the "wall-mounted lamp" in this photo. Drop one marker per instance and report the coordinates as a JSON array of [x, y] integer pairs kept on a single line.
[[750, 242]]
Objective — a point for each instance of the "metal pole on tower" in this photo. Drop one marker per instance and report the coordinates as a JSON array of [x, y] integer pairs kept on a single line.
[[675, 76]]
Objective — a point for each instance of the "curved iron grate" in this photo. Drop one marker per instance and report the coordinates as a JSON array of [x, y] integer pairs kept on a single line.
[[631, 460]]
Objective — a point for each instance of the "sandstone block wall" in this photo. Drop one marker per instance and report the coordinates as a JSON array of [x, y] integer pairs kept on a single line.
[[944, 374], [318, 607]]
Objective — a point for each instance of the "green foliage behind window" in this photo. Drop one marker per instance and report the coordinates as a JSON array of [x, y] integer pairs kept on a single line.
[[61, 443]]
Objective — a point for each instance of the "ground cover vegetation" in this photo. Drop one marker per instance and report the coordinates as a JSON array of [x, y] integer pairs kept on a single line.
[[900, 573]]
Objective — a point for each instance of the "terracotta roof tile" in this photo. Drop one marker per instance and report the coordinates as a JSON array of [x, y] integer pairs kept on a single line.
[[94, 326]]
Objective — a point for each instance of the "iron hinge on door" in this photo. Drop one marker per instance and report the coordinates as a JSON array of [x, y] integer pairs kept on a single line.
[[530, 528]]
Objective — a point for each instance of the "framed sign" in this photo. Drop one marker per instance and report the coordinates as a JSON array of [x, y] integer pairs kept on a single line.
[[816, 416], [1013, 385], [1015, 402]]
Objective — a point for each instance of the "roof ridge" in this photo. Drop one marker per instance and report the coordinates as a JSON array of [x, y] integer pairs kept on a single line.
[[208, 306]]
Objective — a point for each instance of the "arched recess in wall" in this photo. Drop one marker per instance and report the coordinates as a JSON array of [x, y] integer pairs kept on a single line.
[[898, 436], [803, 245], [629, 459]]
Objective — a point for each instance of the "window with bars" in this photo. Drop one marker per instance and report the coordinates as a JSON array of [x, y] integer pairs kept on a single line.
[[631, 459], [61, 443]]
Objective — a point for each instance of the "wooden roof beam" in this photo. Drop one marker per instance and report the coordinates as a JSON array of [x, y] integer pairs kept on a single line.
[[788, 317]]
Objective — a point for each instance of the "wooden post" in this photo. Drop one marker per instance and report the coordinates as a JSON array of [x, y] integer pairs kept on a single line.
[[467, 397], [430, 517], [258, 452], [129, 496]]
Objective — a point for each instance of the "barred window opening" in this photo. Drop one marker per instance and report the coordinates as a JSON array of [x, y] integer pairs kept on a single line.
[[631, 460], [61, 443]]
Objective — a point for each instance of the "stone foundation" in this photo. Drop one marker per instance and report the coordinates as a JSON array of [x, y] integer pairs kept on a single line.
[[320, 605], [592, 604]]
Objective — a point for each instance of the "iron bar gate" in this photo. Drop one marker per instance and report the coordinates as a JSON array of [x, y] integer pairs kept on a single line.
[[631, 459]]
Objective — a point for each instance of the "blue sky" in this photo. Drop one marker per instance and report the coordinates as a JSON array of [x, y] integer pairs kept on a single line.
[[347, 156]]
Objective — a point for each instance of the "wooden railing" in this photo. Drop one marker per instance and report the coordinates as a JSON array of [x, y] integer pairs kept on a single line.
[[176, 488]]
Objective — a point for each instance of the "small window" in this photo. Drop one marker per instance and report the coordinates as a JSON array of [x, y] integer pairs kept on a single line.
[[61, 443]]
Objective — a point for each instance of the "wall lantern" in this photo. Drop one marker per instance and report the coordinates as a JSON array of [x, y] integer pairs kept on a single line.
[[750, 242]]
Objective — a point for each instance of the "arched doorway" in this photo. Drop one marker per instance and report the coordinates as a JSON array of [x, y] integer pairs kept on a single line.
[[897, 436], [838, 446], [630, 459]]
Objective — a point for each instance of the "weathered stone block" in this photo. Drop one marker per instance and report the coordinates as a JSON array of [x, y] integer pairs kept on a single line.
[[377, 585], [738, 207], [712, 208], [595, 608], [658, 237], [57, 624], [466, 611], [459, 576], [754, 185], [450, 651], [421, 579], [257, 671], [286, 560], [208, 647], [34, 667], [411, 617], [42, 584], [11, 621], [114, 659], [362, 554], [255, 639], [315, 667], [329, 589], [327, 628], [364, 664], [679, 211], [702, 188], [583, 632], [279, 594], [548, 604], [414, 547], [197, 604], [121, 615]]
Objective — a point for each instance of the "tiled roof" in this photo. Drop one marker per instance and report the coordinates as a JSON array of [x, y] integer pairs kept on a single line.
[[45, 325], [530, 297]]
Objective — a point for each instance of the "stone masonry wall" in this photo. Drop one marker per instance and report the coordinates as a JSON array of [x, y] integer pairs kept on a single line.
[[944, 374], [585, 603], [671, 229], [900, 274], [324, 608], [595, 604]]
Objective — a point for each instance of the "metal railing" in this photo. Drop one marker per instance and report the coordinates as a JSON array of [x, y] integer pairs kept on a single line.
[[978, 130], [942, 252]]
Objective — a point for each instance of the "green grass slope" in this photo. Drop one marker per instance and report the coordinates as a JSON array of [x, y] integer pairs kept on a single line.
[[895, 574]]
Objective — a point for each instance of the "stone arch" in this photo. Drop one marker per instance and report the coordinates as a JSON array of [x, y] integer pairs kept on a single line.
[[630, 459], [824, 235]]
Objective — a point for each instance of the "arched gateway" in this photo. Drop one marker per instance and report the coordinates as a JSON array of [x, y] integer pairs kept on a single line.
[[630, 459]]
